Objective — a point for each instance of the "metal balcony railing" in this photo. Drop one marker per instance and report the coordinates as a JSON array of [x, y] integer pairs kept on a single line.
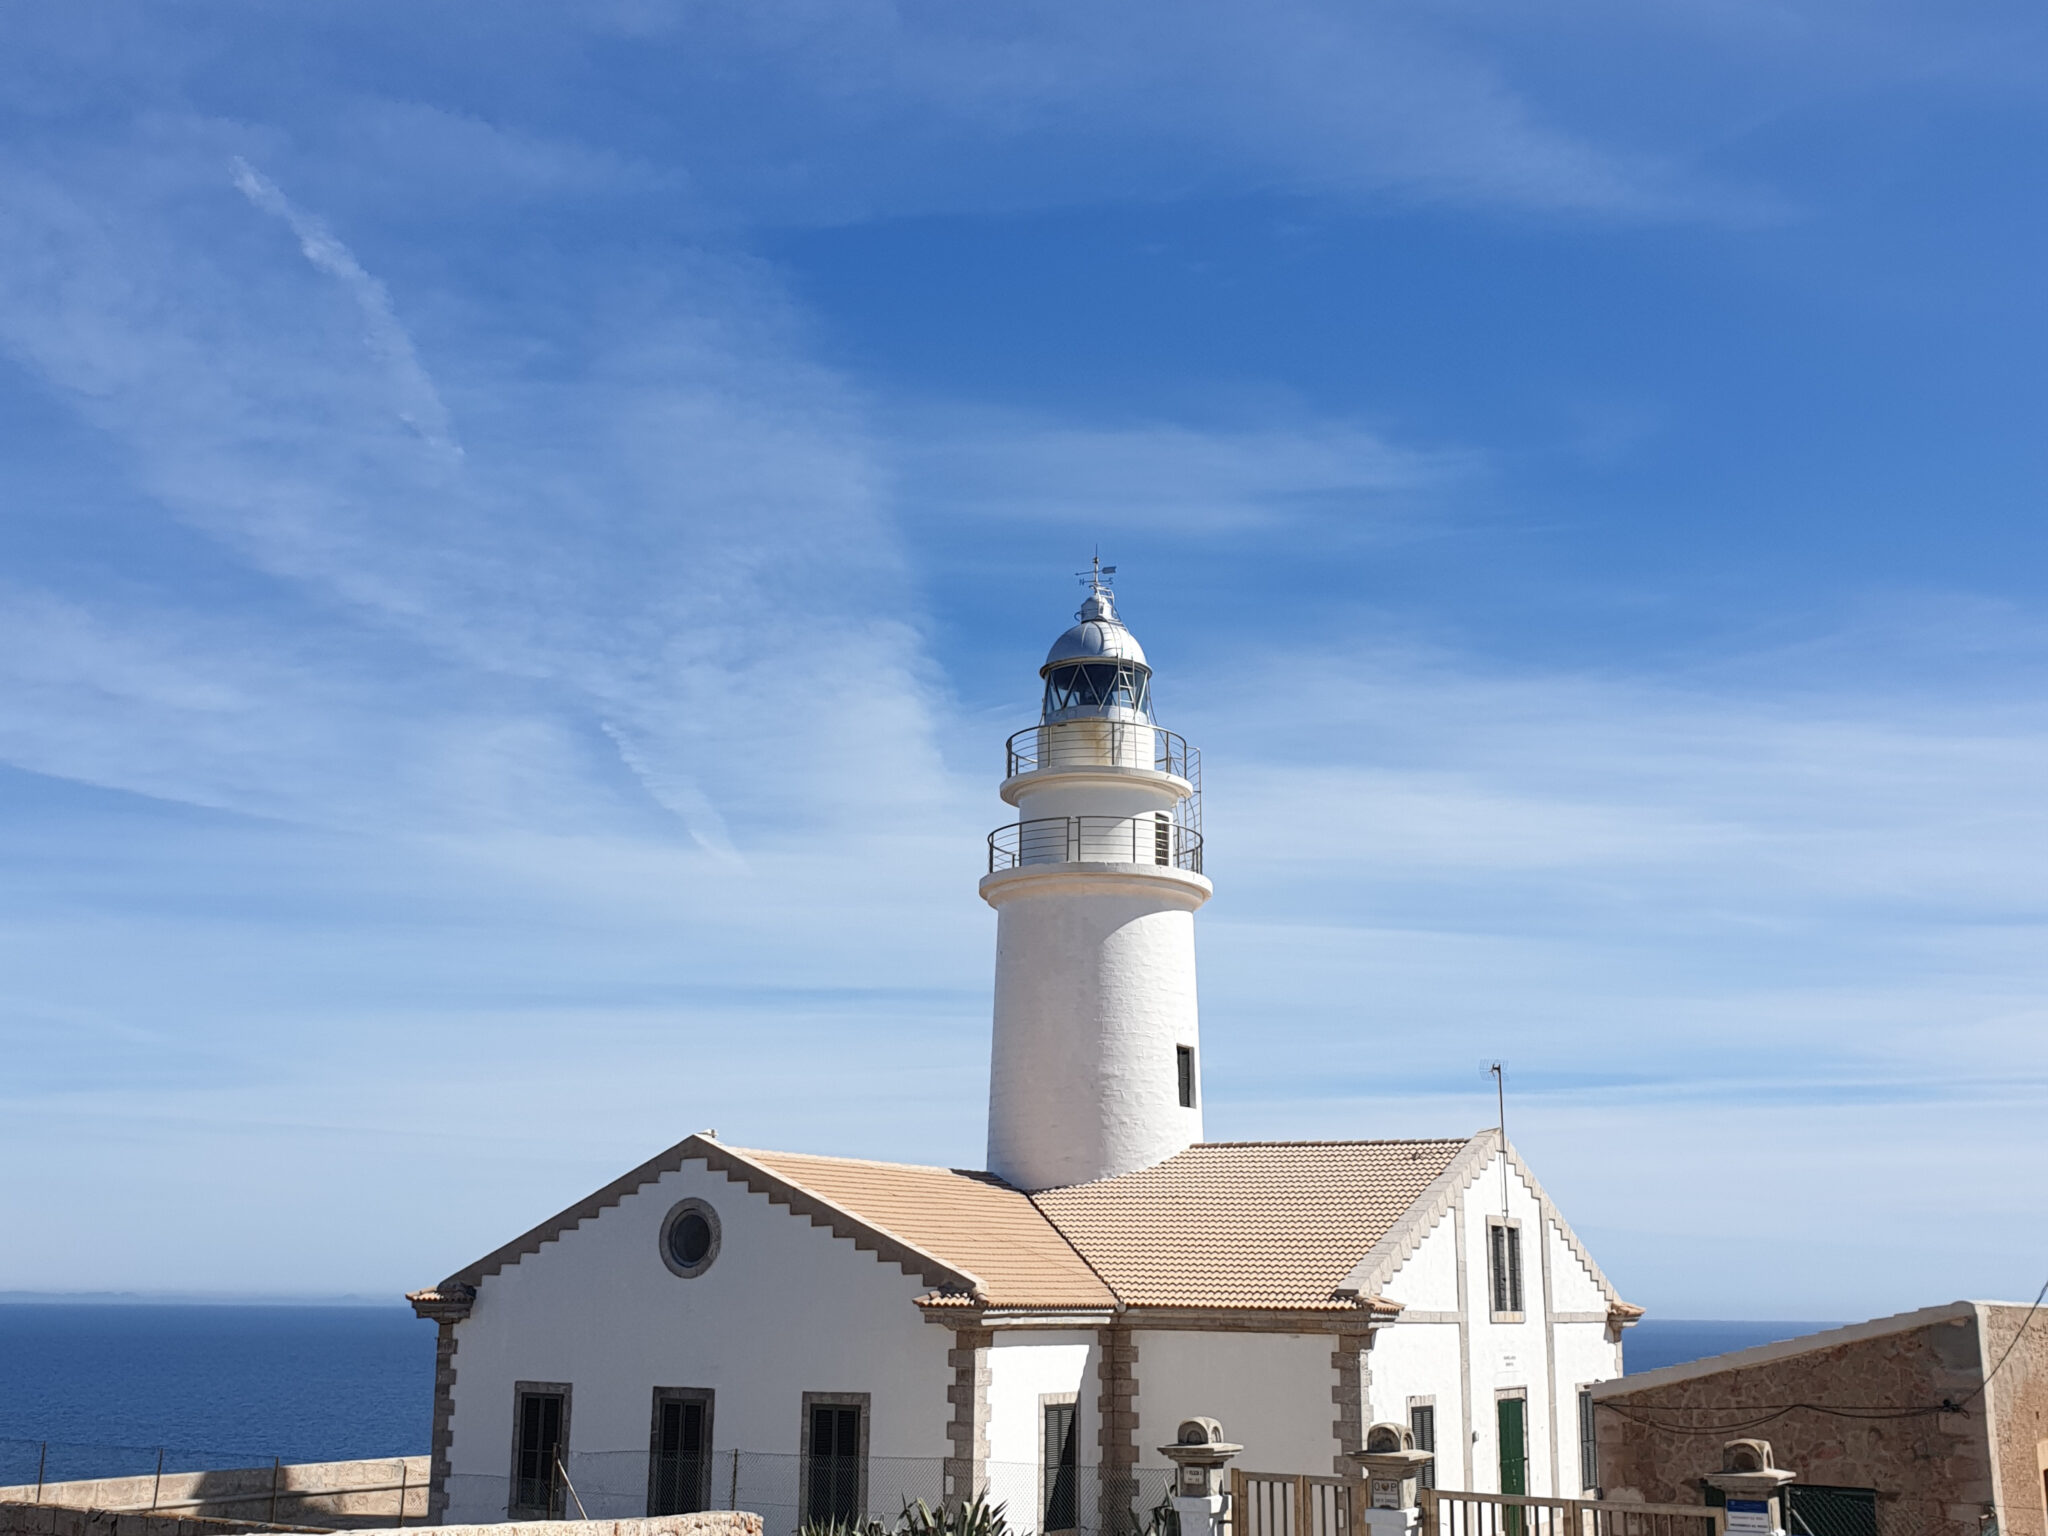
[[1154, 839], [1102, 744]]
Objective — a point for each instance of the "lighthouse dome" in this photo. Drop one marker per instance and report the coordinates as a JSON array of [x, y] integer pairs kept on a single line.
[[1100, 636], [1097, 670]]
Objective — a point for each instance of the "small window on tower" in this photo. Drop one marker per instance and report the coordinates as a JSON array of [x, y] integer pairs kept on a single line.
[[1184, 1062]]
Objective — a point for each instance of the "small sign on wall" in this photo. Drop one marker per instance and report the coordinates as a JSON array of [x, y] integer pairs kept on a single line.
[[1752, 1515]]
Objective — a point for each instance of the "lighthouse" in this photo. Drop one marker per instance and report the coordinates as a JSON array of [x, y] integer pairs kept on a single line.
[[1096, 1062]]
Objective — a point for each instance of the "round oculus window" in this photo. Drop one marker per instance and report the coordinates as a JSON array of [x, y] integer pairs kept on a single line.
[[689, 1238]]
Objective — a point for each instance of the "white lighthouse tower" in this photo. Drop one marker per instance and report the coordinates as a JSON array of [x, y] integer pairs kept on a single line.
[[1096, 1068]]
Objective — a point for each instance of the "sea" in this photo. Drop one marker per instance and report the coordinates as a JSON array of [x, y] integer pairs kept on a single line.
[[99, 1389]]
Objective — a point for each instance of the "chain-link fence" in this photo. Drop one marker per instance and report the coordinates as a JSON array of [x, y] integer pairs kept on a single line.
[[787, 1490], [784, 1488], [63, 1461], [215, 1483]]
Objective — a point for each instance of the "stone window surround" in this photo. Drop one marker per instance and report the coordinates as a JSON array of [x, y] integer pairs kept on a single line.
[[520, 1391], [1582, 1394], [709, 1398], [685, 1207], [1513, 1224], [864, 1401], [1425, 1400], [1047, 1454]]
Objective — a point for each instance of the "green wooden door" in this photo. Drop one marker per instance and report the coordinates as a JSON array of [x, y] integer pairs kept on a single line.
[[1514, 1458], [1514, 1446]]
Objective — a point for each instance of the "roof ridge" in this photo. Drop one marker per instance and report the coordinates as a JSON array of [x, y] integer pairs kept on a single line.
[[979, 1175], [1360, 1141]]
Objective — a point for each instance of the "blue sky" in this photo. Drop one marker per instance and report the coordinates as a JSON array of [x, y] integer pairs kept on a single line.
[[523, 529]]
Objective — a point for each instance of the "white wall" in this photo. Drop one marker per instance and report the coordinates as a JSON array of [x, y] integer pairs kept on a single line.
[[1410, 1360], [1572, 1286], [1427, 1280], [1584, 1352], [785, 1309], [1022, 1369], [1095, 988], [1584, 1356], [1506, 1356], [1419, 1356], [1270, 1390]]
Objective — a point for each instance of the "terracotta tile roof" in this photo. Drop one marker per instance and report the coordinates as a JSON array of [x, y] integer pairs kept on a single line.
[[1240, 1225], [1266, 1224], [971, 1221]]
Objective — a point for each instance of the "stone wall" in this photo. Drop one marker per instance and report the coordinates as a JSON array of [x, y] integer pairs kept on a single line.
[[18, 1519], [327, 1494], [714, 1522], [1932, 1471], [2019, 1415], [58, 1520]]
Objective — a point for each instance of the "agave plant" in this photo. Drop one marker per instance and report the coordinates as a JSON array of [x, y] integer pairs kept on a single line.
[[975, 1518], [844, 1527], [1164, 1519]]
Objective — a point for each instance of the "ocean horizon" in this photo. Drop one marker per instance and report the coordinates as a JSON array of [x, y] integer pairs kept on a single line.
[[96, 1386]]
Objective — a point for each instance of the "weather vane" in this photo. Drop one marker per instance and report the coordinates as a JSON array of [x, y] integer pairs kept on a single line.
[[1097, 576]]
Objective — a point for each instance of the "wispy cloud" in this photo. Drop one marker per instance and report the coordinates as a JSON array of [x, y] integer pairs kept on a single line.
[[419, 406], [673, 553], [1172, 476]]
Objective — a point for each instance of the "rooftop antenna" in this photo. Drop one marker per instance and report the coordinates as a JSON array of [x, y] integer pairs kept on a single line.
[[1500, 1084]]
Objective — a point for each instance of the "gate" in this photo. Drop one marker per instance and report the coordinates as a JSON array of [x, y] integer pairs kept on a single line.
[[1289, 1504], [1812, 1510]]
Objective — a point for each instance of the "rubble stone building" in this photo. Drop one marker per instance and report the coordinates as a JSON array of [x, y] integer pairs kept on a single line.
[[1930, 1423]]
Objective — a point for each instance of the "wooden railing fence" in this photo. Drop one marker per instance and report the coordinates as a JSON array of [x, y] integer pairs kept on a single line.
[[1301, 1504]]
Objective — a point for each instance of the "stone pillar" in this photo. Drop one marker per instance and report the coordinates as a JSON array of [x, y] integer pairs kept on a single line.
[[1349, 1395], [444, 1306], [967, 1454], [1392, 1468], [1116, 1437], [1199, 1454], [1753, 1488]]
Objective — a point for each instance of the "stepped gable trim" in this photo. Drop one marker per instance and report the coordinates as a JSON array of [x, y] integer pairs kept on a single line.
[[1617, 1309], [862, 1233], [1376, 1269], [739, 1169], [1370, 1274]]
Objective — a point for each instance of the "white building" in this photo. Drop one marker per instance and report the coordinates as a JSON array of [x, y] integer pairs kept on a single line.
[[815, 1337]]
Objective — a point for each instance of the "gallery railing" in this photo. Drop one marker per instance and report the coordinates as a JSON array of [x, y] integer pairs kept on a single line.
[[1102, 744], [1155, 839]]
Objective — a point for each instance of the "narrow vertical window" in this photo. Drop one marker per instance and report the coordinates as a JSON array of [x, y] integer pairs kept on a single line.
[[1589, 1447], [832, 1478], [1162, 839], [540, 1441], [1422, 1420], [1184, 1064], [1059, 1467], [679, 1465], [1505, 1262]]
